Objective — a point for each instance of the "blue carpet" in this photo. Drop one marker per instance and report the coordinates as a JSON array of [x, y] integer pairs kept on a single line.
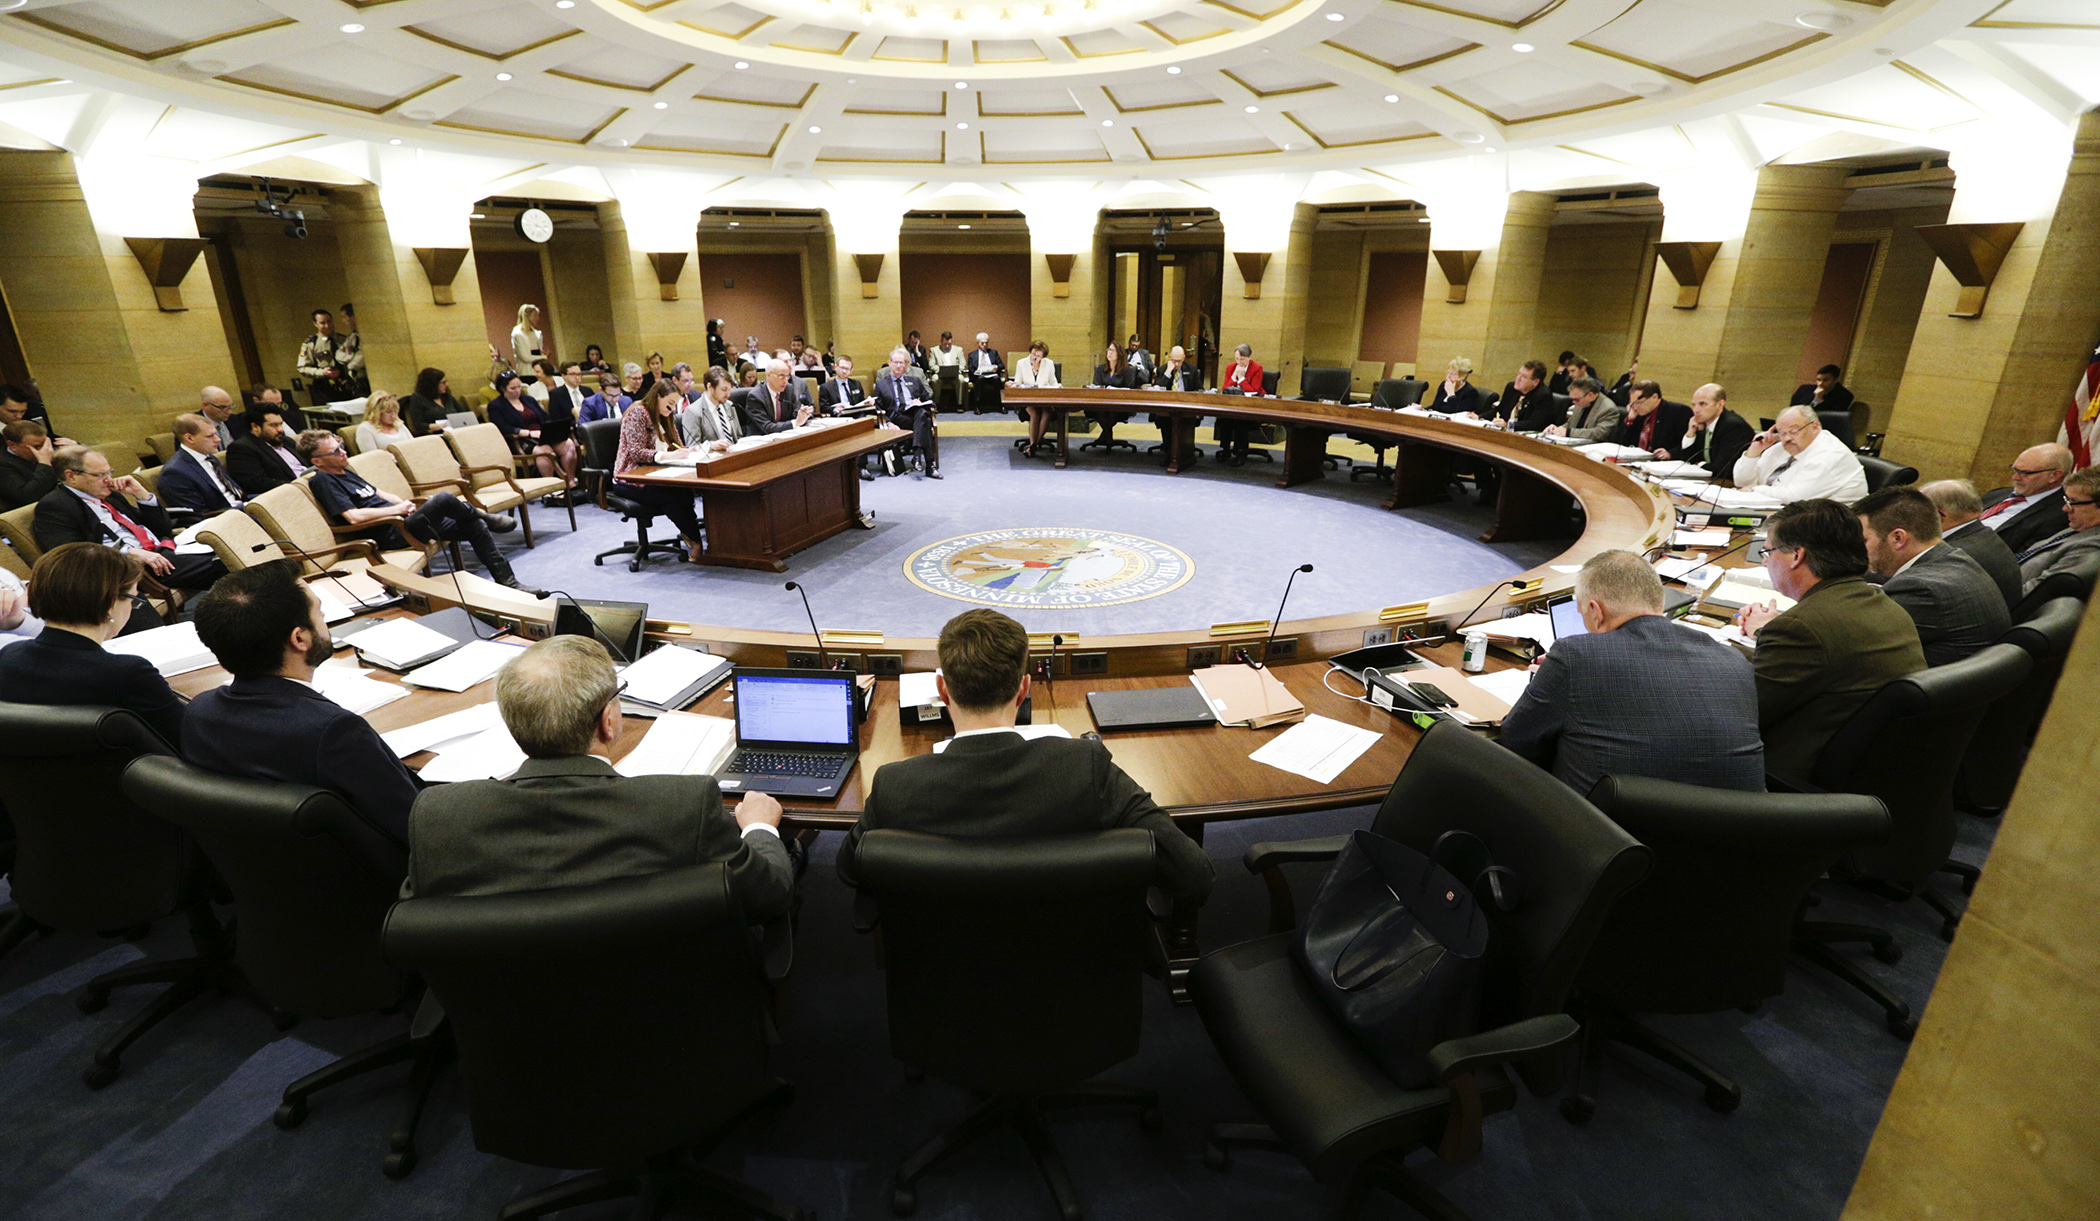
[[185, 1133], [1242, 532]]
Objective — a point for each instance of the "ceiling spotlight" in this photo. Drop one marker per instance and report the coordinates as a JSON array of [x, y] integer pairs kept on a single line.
[[962, 127], [816, 131], [351, 27], [663, 105], [1885, 52], [1647, 88], [503, 76], [420, 114], [741, 65], [1827, 22], [1334, 17], [1108, 122], [1288, 146], [1392, 97], [962, 226], [1522, 48], [612, 142], [853, 80], [962, 84], [395, 140], [565, 3], [1489, 149], [1469, 137], [1253, 110], [1174, 71]]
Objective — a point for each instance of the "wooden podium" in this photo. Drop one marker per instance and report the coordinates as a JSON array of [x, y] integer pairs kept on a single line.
[[765, 503]]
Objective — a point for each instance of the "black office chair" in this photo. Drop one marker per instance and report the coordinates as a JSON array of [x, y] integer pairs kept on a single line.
[[1998, 750], [1904, 746], [1390, 393], [313, 882], [1321, 382], [1711, 926], [1014, 970], [1839, 425], [619, 1028], [88, 859], [1882, 473], [601, 444], [1329, 1103], [2074, 582]]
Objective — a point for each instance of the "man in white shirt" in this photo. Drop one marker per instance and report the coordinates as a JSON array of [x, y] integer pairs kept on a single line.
[[1797, 460], [16, 623], [802, 356]]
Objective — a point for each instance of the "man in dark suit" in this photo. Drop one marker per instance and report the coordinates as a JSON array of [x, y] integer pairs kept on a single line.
[[565, 402], [840, 394], [987, 370], [993, 782], [22, 403], [1651, 422], [1954, 603], [1178, 373], [1826, 393], [263, 459], [908, 403], [194, 480], [566, 818], [1716, 436], [1842, 641], [2031, 509], [777, 403], [1612, 702], [1526, 403], [270, 723], [2077, 543], [1959, 506], [91, 505], [25, 465]]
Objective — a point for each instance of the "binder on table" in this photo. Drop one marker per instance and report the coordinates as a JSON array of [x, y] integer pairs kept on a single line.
[[1243, 695]]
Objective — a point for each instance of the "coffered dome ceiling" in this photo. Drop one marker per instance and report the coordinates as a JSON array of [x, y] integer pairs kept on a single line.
[[1009, 89]]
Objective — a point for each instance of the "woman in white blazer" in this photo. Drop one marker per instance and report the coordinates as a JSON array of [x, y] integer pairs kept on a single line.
[[1036, 372]]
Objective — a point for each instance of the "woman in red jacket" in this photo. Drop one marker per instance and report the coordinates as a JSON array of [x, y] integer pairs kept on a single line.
[[1244, 376]]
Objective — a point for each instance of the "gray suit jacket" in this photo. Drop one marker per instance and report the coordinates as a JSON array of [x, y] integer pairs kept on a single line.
[[1820, 660], [2058, 554], [574, 821], [1986, 548], [1601, 421], [696, 421], [1615, 704], [1001, 784], [1954, 603]]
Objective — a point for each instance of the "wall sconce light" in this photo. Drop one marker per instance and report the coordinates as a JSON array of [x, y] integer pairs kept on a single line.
[[1689, 262], [166, 260], [668, 263], [1972, 254], [1060, 266], [870, 266], [440, 266], [1457, 266], [1253, 265]]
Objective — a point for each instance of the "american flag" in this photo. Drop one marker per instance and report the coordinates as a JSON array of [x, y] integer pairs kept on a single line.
[[2081, 427]]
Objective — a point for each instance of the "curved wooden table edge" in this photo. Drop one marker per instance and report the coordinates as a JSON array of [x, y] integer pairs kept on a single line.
[[796, 818]]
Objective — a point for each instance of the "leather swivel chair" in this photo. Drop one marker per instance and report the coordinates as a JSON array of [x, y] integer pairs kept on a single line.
[[2075, 582], [1839, 425], [1998, 751], [89, 859], [1882, 473], [1711, 927], [313, 883], [618, 1028], [1321, 383], [1904, 746], [601, 444], [1015, 968], [1392, 394], [1326, 1101]]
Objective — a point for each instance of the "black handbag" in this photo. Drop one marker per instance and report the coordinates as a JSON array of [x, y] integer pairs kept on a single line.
[[1395, 945]]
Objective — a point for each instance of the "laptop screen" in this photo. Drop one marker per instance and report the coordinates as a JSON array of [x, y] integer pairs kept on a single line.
[[1567, 619], [809, 711], [617, 625]]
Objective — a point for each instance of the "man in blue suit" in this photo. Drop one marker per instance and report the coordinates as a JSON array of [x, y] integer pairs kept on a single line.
[[195, 480], [270, 723], [907, 403], [1638, 695]]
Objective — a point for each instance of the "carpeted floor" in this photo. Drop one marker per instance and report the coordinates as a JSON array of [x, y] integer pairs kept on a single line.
[[1242, 532], [185, 1133]]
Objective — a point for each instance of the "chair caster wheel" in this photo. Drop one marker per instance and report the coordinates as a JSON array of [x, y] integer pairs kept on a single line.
[[1902, 1027], [92, 1002], [904, 1201], [1724, 1101], [1151, 1120], [290, 1115], [99, 1074], [397, 1165], [1889, 953], [1217, 1157], [1577, 1111]]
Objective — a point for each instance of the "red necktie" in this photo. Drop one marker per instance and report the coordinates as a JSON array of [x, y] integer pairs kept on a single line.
[[1996, 509], [146, 541]]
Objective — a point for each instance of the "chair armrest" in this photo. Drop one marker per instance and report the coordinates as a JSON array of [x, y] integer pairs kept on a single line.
[[1776, 782], [425, 488], [509, 475], [1455, 1061], [1267, 860], [361, 547]]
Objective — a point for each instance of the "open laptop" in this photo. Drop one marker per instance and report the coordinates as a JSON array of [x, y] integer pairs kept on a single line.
[[617, 625], [796, 732], [461, 419]]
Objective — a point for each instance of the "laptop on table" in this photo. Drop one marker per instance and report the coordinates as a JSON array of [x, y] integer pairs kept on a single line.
[[796, 732]]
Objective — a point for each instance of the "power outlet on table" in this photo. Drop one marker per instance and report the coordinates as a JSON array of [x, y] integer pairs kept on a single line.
[[1201, 655], [1043, 665], [1374, 636], [889, 664], [800, 660], [850, 661], [1283, 648], [1088, 663]]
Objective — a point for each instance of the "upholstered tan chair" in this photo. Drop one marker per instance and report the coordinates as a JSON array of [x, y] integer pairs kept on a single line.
[[288, 512]]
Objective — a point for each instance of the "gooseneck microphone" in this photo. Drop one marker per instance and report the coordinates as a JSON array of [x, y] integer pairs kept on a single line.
[[1459, 625], [1050, 671], [334, 574], [1240, 654], [823, 660]]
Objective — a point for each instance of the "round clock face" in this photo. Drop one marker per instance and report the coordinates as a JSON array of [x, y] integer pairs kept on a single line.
[[535, 225]]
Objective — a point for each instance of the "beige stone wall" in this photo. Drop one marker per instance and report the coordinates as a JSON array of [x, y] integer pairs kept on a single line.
[[678, 329], [1593, 292], [1778, 273], [1456, 330], [866, 327], [283, 280], [1679, 347], [1993, 1114], [1274, 323], [374, 284], [1888, 316], [622, 289], [1065, 323], [1520, 264], [573, 266], [1334, 310]]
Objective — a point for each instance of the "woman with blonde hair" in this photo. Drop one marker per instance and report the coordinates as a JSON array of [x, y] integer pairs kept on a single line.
[[1455, 395], [382, 425], [525, 344]]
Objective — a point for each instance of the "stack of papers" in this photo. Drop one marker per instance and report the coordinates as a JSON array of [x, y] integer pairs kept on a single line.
[[474, 662], [1505, 685], [919, 698], [1731, 592], [1744, 498], [173, 649], [402, 643], [354, 689], [1726, 635], [1715, 537], [681, 744], [1694, 572], [672, 677], [1316, 748], [439, 732], [1029, 732], [1604, 451], [1242, 695], [488, 755], [1672, 469]]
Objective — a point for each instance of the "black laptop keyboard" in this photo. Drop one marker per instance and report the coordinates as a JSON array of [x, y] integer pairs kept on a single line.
[[782, 763]]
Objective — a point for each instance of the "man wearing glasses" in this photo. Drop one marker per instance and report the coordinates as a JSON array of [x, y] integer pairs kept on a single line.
[[1797, 460], [2032, 508], [92, 505], [2078, 542], [349, 500]]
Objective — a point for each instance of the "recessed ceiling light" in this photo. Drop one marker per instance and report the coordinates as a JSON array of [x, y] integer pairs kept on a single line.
[[742, 65], [1885, 52], [1468, 137], [565, 3], [351, 27], [1288, 146], [395, 140], [1108, 122], [1334, 17], [962, 84], [420, 114], [962, 226], [612, 142], [1647, 89], [503, 76], [1822, 21], [1488, 149], [853, 80], [816, 131], [1522, 48], [1392, 97], [1174, 71], [663, 105], [962, 127], [1253, 110]]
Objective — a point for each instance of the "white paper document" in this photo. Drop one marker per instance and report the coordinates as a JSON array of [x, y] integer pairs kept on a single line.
[[474, 662], [1672, 469], [1726, 635], [918, 690], [1604, 451], [1744, 498], [1030, 732], [355, 690], [1536, 626], [488, 755], [441, 731], [173, 649], [397, 642], [1316, 748], [1504, 685], [1714, 537], [681, 744], [1738, 593], [658, 677]]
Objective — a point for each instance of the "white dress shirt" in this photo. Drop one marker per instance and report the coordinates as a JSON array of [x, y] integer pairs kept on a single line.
[[1826, 469]]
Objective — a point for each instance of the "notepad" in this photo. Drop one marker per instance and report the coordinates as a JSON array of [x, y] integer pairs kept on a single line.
[[1714, 537], [488, 755], [681, 744], [1316, 748], [172, 650], [354, 689], [442, 730], [401, 643], [673, 676], [474, 662]]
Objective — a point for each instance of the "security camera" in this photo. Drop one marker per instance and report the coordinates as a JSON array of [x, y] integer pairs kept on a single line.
[[297, 229], [1159, 234]]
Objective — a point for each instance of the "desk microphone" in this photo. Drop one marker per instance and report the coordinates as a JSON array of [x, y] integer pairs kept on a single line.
[[1240, 654], [1459, 625], [333, 574], [1050, 670], [823, 661]]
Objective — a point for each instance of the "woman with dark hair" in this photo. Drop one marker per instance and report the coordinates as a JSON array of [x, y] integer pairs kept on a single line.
[[649, 437], [427, 408], [594, 359], [527, 426], [1113, 373], [717, 347], [83, 593]]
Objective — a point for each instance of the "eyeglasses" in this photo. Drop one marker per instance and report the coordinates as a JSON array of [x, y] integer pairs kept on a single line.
[[2047, 470], [2079, 503]]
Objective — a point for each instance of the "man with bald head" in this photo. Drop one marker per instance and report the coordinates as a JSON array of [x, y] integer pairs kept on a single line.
[[1959, 506], [776, 404], [1716, 437], [216, 406], [1797, 460], [2031, 509]]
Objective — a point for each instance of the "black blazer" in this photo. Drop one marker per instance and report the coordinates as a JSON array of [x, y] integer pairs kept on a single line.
[[1467, 399], [828, 400], [1191, 378], [763, 415], [1956, 606], [1670, 423], [2039, 520], [896, 403], [1125, 378], [256, 466], [1002, 784], [276, 729], [1838, 398], [1721, 444], [185, 484], [424, 414], [1528, 412], [61, 667], [61, 518], [563, 406], [1986, 548], [23, 480]]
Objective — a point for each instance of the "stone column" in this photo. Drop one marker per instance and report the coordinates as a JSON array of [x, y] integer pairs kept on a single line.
[[866, 327], [1513, 299], [1778, 272], [1273, 323], [622, 288], [405, 329]]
